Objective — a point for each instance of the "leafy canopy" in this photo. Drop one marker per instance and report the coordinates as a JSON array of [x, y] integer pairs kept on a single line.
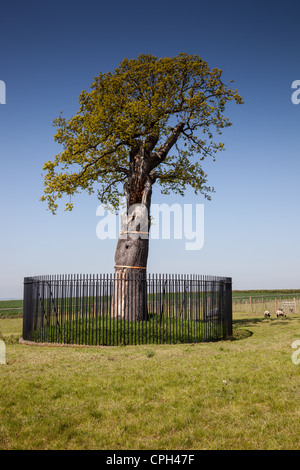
[[175, 101]]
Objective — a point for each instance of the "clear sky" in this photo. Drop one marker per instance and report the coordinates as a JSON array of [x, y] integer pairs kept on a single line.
[[52, 50]]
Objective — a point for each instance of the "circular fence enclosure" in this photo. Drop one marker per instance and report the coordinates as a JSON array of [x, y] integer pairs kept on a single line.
[[111, 310]]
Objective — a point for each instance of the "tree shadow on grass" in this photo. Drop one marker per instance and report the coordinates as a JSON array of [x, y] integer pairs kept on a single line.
[[239, 333], [240, 325], [252, 321]]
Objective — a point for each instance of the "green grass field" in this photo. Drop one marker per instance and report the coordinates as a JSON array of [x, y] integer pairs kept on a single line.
[[265, 292], [11, 308], [242, 393]]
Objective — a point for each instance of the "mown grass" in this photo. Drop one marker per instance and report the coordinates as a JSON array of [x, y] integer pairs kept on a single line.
[[242, 393]]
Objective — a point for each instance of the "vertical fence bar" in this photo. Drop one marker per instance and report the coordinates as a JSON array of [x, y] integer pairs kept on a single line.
[[76, 306], [97, 319], [80, 316], [110, 309], [101, 311], [62, 322], [70, 319], [228, 308]]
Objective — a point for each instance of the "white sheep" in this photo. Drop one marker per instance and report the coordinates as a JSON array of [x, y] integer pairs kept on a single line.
[[280, 313], [267, 313]]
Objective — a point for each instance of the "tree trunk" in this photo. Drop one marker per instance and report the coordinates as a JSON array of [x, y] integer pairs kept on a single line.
[[130, 294], [130, 282]]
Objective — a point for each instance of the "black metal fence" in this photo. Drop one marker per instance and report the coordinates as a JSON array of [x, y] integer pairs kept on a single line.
[[121, 309]]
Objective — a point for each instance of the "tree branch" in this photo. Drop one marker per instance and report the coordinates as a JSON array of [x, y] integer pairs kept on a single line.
[[99, 158], [108, 187], [158, 157]]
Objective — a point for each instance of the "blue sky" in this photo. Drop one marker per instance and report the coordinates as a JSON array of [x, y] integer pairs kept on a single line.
[[51, 51]]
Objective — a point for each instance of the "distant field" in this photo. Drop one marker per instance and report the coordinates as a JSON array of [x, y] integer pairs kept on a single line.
[[258, 301], [11, 308], [14, 308], [265, 293]]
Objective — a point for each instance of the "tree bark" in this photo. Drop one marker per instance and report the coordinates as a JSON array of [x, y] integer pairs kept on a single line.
[[130, 290], [130, 282]]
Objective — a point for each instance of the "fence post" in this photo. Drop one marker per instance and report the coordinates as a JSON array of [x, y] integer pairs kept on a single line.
[[27, 307], [251, 309], [227, 325]]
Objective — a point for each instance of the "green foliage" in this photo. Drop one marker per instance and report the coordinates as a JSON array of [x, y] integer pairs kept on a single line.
[[150, 353], [167, 107]]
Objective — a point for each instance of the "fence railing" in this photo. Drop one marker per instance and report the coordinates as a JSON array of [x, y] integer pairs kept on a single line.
[[260, 303], [119, 310]]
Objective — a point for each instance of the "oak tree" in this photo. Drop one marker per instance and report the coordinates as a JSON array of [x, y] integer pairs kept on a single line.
[[151, 121]]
